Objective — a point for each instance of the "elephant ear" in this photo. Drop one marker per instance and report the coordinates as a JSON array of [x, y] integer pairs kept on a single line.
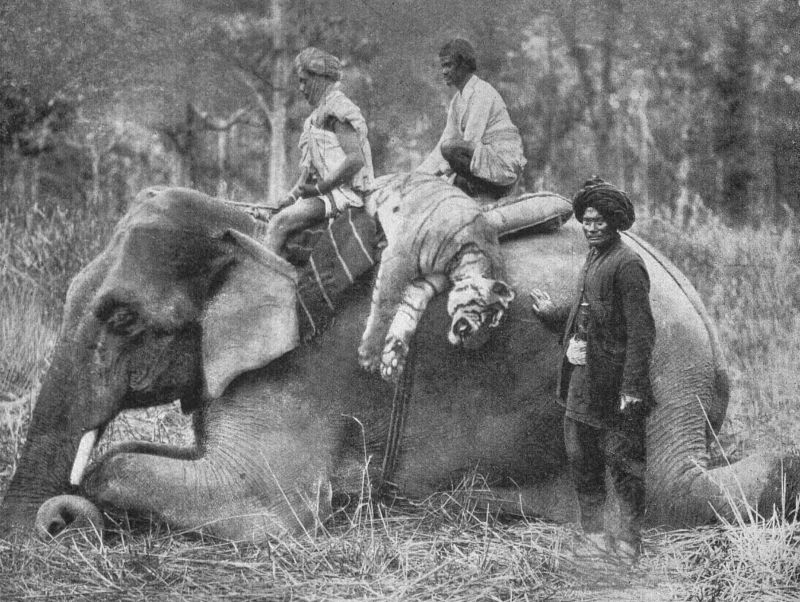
[[251, 319]]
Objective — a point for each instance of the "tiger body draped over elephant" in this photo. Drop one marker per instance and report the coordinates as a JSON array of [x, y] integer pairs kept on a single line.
[[178, 306], [437, 239]]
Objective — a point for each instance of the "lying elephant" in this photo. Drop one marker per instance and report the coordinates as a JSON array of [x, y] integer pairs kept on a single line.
[[178, 306]]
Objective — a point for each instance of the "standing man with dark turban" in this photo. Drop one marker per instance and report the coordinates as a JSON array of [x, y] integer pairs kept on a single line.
[[603, 381], [335, 156], [480, 147]]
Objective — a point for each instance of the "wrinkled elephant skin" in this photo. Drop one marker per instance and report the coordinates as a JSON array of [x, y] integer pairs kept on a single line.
[[177, 306]]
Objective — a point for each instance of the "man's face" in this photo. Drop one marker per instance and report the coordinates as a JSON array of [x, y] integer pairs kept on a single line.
[[595, 227], [454, 72], [303, 81]]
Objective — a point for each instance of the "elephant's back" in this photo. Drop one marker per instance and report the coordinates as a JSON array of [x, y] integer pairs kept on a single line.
[[686, 338]]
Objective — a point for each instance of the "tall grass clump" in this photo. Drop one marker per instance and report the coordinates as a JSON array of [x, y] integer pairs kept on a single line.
[[27, 335], [749, 279], [749, 557], [42, 247], [45, 247]]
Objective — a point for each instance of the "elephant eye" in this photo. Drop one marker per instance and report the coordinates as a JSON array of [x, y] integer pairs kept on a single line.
[[122, 322], [120, 319]]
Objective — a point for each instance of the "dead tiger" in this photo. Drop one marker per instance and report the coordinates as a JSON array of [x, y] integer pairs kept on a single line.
[[437, 237]]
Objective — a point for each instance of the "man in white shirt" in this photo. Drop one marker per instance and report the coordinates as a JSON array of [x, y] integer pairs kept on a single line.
[[335, 155], [480, 148]]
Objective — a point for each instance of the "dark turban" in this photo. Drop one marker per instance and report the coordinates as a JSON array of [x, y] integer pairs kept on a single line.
[[318, 62], [461, 51], [609, 201]]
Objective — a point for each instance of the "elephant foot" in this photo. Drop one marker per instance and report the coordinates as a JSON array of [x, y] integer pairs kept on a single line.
[[393, 359], [65, 514]]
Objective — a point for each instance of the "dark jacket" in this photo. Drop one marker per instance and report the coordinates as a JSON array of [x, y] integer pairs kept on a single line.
[[620, 332]]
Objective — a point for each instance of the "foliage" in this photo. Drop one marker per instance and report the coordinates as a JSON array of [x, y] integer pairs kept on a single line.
[[44, 250], [667, 99]]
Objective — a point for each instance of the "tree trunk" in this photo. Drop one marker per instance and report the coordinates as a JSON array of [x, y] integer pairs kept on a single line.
[[94, 153], [277, 143], [604, 115], [597, 97], [733, 139], [639, 98], [222, 161]]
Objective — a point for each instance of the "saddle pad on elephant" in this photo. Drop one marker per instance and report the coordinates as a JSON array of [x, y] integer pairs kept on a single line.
[[338, 252], [333, 254], [533, 212]]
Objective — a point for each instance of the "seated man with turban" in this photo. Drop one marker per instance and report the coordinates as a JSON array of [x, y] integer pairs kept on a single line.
[[335, 155], [480, 147], [604, 374]]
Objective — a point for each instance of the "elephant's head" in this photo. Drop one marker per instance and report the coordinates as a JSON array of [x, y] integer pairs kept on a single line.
[[179, 303], [475, 305]]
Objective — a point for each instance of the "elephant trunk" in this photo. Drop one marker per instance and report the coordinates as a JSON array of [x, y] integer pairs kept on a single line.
[[52, 444], [63, 512]]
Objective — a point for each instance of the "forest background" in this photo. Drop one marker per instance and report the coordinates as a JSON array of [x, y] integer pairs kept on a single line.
[[687, 105], [692, 107]]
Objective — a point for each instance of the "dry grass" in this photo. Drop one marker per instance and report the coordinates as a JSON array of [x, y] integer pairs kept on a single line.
[[738, 562], [26, 337], [443, 548]]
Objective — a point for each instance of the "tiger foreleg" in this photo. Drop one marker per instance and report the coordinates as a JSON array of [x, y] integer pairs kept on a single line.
[[416, 297], [386, 296]]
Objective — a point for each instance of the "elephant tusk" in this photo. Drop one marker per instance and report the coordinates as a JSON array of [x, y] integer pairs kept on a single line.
[[85, 448]]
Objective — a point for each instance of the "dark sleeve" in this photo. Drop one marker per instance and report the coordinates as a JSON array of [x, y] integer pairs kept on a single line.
[[634, 287], [557, 320]]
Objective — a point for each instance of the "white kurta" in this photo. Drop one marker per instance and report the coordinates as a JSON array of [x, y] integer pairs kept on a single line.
[[478, 115], [321, 152]]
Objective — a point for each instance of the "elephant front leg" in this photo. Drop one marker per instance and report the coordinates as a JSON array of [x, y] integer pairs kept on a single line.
[[258, 484], [416, 297], [195, 495], [149, 485]]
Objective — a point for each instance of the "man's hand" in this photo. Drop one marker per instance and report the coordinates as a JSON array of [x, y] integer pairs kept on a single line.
[[457, 143], [309, 190], [543, 305], [629, 404], [289, 199]]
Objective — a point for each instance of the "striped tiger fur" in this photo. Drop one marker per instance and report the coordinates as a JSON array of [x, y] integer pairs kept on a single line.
[[437, 238]]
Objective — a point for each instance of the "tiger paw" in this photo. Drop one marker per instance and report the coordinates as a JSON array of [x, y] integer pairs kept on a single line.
[[368, 360], [393, 360]]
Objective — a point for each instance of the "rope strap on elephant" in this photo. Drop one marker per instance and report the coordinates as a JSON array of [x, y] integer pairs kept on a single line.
[[397, 423]]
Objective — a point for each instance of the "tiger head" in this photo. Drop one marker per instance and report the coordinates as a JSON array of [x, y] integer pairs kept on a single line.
[[475, 305]]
